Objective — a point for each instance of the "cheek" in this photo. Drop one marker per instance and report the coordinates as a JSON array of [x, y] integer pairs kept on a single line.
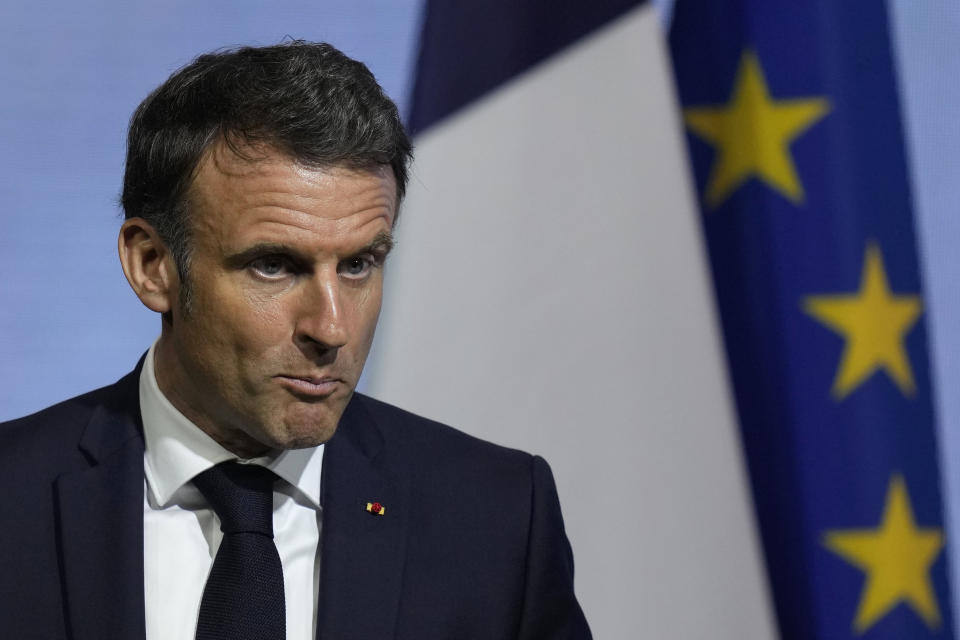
[[367, 311], [263, 314], [240, 323], [261, 325]]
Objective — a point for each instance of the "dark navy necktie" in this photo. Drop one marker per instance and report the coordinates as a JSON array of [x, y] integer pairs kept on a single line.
[[243, 598]]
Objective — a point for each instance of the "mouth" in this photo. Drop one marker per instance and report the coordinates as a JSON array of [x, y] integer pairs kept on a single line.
[[311, 387]]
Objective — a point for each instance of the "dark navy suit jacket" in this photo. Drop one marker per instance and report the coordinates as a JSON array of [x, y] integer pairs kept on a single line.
[[471, 544]]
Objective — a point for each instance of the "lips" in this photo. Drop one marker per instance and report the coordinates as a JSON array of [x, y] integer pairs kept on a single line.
[[310, 386]]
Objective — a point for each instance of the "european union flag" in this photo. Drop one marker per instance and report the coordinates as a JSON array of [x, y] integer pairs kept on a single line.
[[796, 139]]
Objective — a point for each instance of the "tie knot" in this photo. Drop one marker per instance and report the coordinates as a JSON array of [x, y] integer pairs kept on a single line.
[[241, 495]]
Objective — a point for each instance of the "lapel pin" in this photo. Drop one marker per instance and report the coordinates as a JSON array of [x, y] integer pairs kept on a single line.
[[376, 508]]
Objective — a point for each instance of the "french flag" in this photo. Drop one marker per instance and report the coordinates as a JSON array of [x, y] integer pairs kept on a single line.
[[550, 292]]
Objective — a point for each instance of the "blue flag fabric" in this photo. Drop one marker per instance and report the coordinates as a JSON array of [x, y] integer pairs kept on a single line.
[[796, 139], [468, 49]]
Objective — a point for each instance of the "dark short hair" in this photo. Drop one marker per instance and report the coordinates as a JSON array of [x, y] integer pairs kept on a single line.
[[305, 99]]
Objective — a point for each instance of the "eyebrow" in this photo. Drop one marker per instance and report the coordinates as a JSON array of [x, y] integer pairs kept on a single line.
[[382, 243]]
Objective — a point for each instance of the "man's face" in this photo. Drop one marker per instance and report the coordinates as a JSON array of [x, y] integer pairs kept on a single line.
[[286, 278]]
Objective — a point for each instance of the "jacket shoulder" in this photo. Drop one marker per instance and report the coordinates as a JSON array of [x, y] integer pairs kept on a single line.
[[43, 437], [446, 464], [423, 437]]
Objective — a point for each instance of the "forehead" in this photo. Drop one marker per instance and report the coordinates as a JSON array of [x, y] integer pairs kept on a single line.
[[253, 183]]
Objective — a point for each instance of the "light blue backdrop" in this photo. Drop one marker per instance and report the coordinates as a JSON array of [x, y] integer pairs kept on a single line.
[[72, 74]]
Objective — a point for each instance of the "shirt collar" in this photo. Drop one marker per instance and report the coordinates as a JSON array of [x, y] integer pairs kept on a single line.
[[177, 450]]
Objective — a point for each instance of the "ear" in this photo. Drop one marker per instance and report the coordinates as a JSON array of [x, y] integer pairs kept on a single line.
[[148, 265]]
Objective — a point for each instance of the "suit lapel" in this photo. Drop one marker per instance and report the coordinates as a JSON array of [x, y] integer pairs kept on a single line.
[[101, 524], [362, 554]]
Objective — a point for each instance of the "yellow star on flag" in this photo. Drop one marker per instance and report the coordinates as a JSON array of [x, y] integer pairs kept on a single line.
[[896, 557], [752, 135], [874, 323]]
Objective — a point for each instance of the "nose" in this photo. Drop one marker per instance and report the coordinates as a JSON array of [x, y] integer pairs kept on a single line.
[[321, 323]]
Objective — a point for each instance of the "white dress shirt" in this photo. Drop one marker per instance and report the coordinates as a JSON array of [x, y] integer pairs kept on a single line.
[[181, 534]]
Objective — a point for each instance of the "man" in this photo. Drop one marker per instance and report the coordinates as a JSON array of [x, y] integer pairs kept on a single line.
[[234, 485]]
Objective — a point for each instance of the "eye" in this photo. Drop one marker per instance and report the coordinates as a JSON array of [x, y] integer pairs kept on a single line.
[[271, 267], [356, 267]]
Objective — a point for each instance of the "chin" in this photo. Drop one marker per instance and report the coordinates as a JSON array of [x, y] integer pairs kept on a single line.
[[307, 436], [302, 434], [304, 443], [303, 425]]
